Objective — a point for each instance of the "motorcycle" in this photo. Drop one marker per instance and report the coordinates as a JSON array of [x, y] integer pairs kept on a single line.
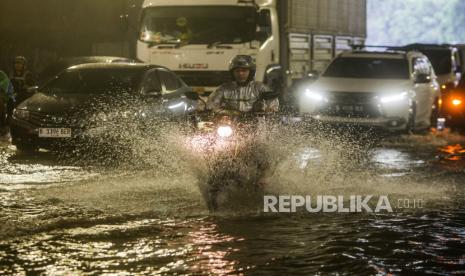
[[237, 160]]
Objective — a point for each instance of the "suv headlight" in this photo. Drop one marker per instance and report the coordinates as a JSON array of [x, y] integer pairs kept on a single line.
[[395, 98], [21, 114], [315, 96]]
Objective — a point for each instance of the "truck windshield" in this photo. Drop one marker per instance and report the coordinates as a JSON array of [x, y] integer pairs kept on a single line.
[[441, 59], [198, 25], [368, 68]]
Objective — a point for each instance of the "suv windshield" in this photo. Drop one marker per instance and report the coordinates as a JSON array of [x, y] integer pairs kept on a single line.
[[440, 59], [95, 81], [198, 25], [368, 68]]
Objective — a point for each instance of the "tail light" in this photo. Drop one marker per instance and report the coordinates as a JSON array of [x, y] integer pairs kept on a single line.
[[456, 102]]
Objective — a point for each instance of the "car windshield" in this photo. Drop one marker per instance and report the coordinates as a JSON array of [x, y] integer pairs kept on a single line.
[[368, 68], [440, 59], [95, 81], [56, 68], [198, 25]]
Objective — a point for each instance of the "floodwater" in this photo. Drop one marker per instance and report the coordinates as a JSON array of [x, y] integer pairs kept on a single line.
[[62, 217]]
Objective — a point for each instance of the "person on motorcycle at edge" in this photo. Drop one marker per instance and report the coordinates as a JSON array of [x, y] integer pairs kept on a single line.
[[22, 79], [6, 96], [243, 92]]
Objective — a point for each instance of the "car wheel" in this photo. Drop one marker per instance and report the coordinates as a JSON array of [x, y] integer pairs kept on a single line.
[[3, 122], [411, 119], [26, 147], [435, 113]]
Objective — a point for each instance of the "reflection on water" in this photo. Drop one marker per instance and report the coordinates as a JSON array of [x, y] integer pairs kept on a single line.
[[352, 243], [143, 221], [395, 159], [305, 156], [454, 152]]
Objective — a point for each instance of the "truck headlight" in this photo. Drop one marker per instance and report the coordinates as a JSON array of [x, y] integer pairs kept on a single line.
[[394, 98], [21, 114]]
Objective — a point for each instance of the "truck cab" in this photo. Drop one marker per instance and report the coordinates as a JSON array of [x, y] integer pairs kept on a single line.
[[198, 39], [287, 38]]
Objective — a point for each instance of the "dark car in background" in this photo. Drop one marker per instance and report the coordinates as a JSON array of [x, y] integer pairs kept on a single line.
[[446, 61], [453, 106], [83, 97], [64, 63]]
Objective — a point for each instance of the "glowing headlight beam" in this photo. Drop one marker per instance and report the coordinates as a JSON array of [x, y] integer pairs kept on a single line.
[[225, 131], [21, 114], [314, 96], [394, 98]]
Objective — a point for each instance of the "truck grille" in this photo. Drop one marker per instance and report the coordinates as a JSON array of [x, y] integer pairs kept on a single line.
[[204, 78], [352, 104]]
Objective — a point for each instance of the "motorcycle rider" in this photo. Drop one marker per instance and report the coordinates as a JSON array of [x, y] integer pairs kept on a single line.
[[22, 79], [6, 95], [242, 93]]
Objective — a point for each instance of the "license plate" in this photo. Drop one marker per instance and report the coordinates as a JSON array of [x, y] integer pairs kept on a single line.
[[352, 108], [55, 132], [347, 108]]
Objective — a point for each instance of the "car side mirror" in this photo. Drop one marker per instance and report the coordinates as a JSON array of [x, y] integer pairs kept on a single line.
[[261, 36], [191, 95], [32, 89], [422, 78], [271, 95]]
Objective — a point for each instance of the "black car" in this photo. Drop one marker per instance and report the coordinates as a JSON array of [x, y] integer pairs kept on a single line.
[[64, 63], [71, 104]]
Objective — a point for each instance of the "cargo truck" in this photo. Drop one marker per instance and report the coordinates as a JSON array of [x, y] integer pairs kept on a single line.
[[287, 38]]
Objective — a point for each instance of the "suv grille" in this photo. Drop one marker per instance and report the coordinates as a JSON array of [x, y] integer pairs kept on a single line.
[[352, 104]]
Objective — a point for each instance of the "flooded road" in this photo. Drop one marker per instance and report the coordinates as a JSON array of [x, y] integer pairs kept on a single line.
[[63, 218]]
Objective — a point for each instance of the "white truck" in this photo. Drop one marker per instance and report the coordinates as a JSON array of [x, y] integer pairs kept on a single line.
[[287, 38]]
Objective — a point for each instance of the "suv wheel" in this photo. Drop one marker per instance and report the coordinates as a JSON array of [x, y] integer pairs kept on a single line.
[[411, 119], [435, 113]]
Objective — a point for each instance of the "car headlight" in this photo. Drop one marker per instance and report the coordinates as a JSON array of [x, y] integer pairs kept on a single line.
[[225, 131], [21, 114], [394, 98], [315, 96]]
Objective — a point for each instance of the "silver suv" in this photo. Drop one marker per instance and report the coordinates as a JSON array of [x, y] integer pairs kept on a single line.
[[392, 90]]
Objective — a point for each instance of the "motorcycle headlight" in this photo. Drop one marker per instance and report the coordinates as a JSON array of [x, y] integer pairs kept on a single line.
[[395, 98], [21, 114], [225, 131]]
